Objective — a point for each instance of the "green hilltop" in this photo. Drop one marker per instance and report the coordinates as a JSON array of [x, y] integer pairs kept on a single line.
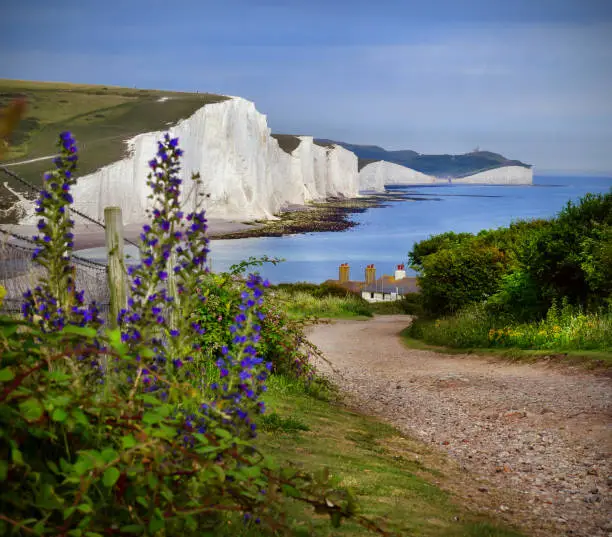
[[101, 118], [436, 165]]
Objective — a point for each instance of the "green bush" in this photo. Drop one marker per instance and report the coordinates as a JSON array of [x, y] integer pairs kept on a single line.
[[466, 329], [455, 277], [564, 328], [520, 269]]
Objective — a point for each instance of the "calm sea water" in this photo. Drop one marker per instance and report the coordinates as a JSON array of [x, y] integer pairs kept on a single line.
[[384, 236]]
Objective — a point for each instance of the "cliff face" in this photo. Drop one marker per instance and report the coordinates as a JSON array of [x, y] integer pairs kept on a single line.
[[245, 174], [376, 175], [507, 175]]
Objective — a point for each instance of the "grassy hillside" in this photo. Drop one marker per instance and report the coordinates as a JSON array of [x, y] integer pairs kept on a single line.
[[437, 165], [100, 117], [287, 142]]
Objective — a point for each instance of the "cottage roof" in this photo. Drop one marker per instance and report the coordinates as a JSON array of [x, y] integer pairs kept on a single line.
[[384, 285]]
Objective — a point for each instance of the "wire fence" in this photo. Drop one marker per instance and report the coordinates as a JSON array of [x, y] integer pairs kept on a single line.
[[33, 188], [19, 272]]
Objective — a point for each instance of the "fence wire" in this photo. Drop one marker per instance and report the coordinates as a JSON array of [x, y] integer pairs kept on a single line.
[[18, 273], [33, 188]]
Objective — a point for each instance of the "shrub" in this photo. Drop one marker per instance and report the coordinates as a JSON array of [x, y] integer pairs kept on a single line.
[[466, 329], [453, 278], [564, 257]]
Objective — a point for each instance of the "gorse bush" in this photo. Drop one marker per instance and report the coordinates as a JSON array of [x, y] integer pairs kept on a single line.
[[147, 429]]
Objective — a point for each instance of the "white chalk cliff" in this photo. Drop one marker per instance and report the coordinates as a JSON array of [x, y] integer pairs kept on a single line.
[[245, 174], [243, 169], [506, 175], [376, 175]]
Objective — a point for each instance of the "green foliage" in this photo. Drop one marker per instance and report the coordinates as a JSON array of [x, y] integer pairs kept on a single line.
[[564, 328], [458, 276], [520, 269], [412, 304], [282, 337], [306, 300], [568, 257], [120, 431], [465, 329], [290, 424], [433, 244], [519, 298]]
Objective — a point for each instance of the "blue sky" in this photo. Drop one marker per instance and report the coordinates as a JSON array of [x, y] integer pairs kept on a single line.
[[531, 79]]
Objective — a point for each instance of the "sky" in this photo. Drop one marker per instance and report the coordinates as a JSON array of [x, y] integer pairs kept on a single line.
[[531, 79]]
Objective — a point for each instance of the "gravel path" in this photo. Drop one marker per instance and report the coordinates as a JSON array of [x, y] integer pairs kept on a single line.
[[535, 437]]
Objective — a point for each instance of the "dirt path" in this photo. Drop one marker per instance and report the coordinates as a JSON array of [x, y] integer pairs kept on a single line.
[[534, 437]]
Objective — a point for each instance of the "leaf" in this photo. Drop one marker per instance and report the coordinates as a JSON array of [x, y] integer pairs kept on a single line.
[[8, 330], [222, 433], [6, 374], [79, 331], [59, 414], [219, 471], [156, 524], [110, 476], [128, 441], [92, 534], [114, 338], [109, 455], [151, 399], [132, 528], [31, 409], [3, 469], [80, 417], [151, 417], [85, 508]]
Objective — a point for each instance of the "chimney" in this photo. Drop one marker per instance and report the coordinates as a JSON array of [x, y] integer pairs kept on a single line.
[[344, 273], [400, 272], [370, 274]]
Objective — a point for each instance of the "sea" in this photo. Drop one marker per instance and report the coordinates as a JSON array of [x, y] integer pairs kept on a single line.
[[383, 236]]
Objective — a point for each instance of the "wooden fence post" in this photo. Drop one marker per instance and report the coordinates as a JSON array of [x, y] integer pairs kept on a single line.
[[116, 264]]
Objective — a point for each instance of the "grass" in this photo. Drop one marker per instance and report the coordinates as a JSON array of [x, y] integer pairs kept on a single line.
[[100, 117], [566, 334], [307, 300], [334, 302], [287, 142], [384, 469], [587, 359]]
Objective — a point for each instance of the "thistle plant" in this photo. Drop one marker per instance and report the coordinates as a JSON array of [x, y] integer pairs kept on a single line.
[[56, 302]]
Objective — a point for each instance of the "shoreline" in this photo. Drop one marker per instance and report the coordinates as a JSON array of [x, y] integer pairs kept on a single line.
[[330, 215]]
